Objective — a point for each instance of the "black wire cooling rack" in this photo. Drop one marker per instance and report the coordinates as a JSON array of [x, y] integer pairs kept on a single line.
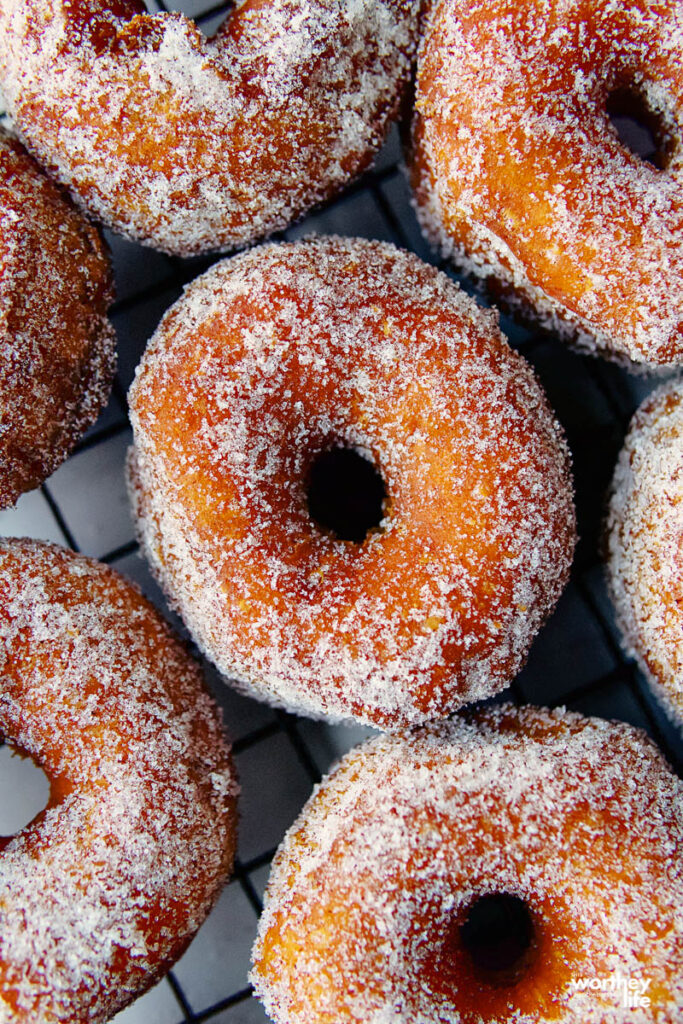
[[576, 660]]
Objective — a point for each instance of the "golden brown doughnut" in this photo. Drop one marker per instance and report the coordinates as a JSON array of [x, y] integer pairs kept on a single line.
[[103, 891], [574, 825], [521, 177], [189, 144], [645, 543], [278, 357], [56, 344]]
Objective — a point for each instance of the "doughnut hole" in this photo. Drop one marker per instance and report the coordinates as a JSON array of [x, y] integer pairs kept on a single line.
[[346, 494], [499, 935], [642, 130], [24, 791], [496, 955]]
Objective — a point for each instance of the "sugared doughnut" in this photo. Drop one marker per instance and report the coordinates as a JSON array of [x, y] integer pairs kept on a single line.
[[521, 176], [520, 866], [56, 344], [270, 365], [190, 144], [106, 887], [645, 542]]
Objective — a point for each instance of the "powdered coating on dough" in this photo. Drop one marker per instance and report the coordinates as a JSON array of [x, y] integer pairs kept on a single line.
[[522, 180], [103, 891], [56, 345], [285, 352], [645, 543], [189, 144], [579, 818]]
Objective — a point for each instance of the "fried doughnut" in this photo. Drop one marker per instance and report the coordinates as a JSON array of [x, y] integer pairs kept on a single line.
[[281, 356], [645, 543], [381, 905], [103, 891], [520, 175], [189, 144], [56, 344]]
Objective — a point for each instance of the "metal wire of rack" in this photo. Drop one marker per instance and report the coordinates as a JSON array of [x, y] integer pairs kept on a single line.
[[577, 659]]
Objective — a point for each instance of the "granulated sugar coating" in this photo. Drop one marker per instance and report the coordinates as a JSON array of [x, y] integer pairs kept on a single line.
[[189, 144], [105, 888], [56, 344], [645, 543], [520, 175], [286, 352], [580, 819]]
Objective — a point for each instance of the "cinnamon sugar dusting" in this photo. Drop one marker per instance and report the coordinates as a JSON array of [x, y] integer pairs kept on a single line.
[[579, 818], [189, 144], [645, 542], [285, 352], [104, 889]]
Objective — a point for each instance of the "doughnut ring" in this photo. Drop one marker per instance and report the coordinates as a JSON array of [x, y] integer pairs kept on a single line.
[[520, 175], [103, 891], [516, 866], [284, 357], [56, 345], [189, 144], [644, 543]]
